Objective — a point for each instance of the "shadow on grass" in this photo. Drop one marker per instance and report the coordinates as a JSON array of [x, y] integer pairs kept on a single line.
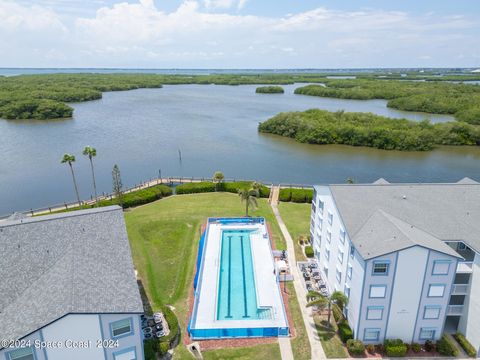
[[147, 307]]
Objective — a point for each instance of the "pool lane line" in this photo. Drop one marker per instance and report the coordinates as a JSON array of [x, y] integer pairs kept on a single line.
[[245, 307], [229, 293]]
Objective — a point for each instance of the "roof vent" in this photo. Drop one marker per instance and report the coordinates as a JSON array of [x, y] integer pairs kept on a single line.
[[404, 197]]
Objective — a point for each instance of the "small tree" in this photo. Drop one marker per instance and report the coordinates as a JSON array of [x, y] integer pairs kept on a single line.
[[314, 298], [117, 184], [70, 159], [218, 177], [249, 196]]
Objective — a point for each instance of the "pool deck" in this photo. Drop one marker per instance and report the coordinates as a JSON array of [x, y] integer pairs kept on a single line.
[[267, 288]]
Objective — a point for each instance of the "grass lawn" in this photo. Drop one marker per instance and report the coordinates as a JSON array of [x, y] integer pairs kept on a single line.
[[267, 351], [164, 239], [297, 219], [331, 343], [300, 344]]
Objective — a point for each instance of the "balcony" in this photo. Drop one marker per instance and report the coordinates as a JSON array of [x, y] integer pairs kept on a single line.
[[465, 267], [460, 289], [454, 310]]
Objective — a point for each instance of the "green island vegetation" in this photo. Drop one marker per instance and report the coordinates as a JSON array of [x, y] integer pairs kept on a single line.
[[460, 100], [366, 129], [166, 233], [269, 90], [45, 96]]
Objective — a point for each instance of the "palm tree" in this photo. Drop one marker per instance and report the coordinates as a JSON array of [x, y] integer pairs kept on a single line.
[[218, 177], [314, 298], [91, 153], [70, 159], [249, 196]]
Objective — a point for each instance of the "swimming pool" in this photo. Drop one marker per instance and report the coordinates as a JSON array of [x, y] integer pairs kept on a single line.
[[236, 291], [236, 288]]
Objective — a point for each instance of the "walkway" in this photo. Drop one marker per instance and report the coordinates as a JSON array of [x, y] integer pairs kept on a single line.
[[316, 346]]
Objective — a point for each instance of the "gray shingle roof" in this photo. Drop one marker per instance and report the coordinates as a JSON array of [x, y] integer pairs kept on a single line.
[[76, 262], [446, 212]]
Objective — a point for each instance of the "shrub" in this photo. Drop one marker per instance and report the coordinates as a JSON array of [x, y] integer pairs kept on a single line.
[[355, 347], [416, 347], [233, 187], [193, 188], [429, 346], [344, 331], [395, 348], [337, 313], [150, 348], [446, 346], [140, 197], [174, 336], [309, 251], [465, 344], [285, 195], [371, 348]]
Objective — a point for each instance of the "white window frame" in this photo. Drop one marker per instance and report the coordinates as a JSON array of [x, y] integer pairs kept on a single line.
[[375, 312], [434, 290], [377, 293]]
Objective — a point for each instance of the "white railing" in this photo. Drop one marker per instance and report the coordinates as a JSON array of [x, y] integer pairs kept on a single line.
[[454, 309], [460, 289], [465, 267]]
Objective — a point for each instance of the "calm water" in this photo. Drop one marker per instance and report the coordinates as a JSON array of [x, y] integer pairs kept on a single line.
[[215, 127]]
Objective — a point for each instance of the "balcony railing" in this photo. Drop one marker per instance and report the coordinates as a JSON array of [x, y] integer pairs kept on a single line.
[[465, 267], [460, 289], [455, 310]]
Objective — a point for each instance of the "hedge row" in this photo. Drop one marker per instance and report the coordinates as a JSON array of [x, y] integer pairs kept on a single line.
[[446, 346], [344, 331], [309, 251], [337, 313], [208, 186], [140, 197], [296, 195], [465, 344]]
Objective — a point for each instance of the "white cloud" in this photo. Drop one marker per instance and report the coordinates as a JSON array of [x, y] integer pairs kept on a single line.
[[142, 35]]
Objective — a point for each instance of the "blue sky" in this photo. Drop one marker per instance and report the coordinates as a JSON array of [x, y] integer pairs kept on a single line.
[[239, 33]]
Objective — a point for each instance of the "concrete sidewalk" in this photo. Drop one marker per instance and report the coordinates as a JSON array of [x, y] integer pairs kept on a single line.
[[315, 344]]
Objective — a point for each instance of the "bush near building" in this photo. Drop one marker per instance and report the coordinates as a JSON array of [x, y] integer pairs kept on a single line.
[[344, 331], [337, 313], [446, 346], [355, 347], [395, 348], [465, 344], [309, 251]]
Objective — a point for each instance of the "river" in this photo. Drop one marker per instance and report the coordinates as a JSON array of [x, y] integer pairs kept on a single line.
[[215, 128]]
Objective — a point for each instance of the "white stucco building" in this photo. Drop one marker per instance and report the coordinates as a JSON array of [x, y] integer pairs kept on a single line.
[[69, 289], [406, 255]]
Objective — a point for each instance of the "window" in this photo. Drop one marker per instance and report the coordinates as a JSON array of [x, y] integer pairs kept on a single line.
[[378, 291], [320, 206], [432, 312], [346, 291], [325, 270], [380, 267], [371, 335], [339, 276], [441, 267], [374, 312], [342, 236], [312, 224], [327, 254], [126, 354], [340, 255], [352, 251], [436, 290], [21, 354], [330, 218], [427, 334], [314, 208], [329, 235], [320, 224], [349, 271], [121, 328]]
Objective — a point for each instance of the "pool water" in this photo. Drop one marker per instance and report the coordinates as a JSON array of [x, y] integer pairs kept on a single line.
[[236, 288]]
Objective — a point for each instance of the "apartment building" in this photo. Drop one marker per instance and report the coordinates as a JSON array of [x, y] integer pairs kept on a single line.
[[69, 289], [406, 255]]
